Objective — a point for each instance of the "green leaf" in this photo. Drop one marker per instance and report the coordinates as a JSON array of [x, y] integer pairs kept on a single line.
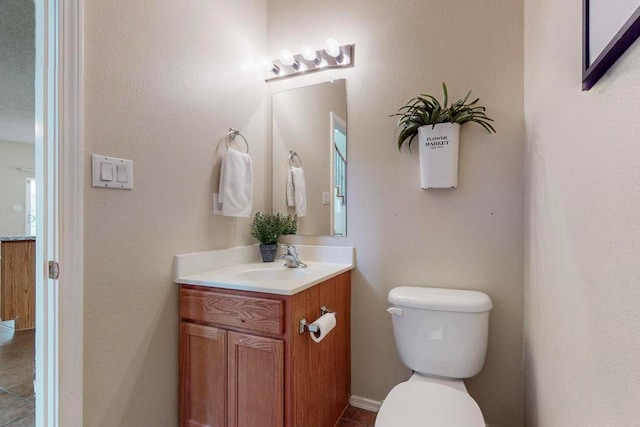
[[446, 97]]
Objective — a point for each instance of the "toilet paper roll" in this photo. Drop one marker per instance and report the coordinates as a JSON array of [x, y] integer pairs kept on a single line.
[[325, 323]]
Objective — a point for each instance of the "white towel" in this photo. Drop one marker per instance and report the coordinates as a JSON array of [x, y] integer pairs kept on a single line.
[[236, 184], [297, 191], [291, 197]]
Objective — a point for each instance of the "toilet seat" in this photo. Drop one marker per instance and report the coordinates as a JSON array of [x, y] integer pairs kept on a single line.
[[426, 402]]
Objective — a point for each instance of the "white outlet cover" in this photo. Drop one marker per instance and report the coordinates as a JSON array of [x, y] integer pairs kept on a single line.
[[216, 206]]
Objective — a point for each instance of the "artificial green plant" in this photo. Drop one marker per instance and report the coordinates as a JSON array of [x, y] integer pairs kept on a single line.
[[267, 228], [426, 110]]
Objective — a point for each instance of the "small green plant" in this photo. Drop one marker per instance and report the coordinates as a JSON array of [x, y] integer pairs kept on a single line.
[[267, 228], [426, 110], [289, 224]]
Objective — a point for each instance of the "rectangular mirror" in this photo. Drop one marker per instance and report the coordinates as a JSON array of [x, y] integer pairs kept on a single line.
[[309, 139]]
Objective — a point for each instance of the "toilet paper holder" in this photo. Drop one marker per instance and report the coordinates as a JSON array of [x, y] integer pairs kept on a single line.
[[305, 326]]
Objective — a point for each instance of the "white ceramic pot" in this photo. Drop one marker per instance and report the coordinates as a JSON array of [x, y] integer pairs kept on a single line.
[[439, 147]]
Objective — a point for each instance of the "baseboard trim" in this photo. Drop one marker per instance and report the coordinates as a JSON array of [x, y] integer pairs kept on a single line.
[[364, 403]]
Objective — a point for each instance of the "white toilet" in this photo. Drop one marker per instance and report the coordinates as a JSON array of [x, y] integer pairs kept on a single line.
[[441, 334]]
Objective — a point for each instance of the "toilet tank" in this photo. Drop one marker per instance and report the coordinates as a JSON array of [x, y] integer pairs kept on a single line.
[[441, 332]]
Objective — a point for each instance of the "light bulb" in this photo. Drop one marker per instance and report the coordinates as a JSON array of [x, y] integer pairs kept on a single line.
[[308, 53], [268, 64], [332, 47], [286, 57]]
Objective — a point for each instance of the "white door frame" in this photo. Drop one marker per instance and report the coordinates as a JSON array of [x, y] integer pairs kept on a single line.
[[28, 205], [59, 173]]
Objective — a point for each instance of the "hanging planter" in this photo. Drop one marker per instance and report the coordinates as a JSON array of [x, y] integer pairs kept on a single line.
[[438, 151], [437, 127]]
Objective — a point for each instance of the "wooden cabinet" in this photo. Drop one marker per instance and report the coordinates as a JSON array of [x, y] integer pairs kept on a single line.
[[18, 282], [244, 364]]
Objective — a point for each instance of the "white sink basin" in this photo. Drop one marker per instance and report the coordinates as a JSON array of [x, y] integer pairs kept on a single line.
[[267, 274], [274, 278], [237, 268]]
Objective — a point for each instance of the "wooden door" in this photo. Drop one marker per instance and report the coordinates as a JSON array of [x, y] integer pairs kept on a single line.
[[256, 381], [203, 375]]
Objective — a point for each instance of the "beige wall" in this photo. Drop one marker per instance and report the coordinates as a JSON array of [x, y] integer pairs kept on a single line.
[[14, 155], [470, 237], [582, 229], [164, 81]]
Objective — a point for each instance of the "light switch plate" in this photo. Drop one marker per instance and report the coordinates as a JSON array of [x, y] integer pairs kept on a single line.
[[110, 172]]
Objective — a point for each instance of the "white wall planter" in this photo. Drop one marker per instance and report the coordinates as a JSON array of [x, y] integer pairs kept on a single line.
[[439, 147]]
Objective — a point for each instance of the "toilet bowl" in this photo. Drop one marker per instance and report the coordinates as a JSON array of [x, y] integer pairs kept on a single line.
[[429, 402], [441, 334]]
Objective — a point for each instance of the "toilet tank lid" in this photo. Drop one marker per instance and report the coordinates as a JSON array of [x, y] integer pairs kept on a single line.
[[456, 300]]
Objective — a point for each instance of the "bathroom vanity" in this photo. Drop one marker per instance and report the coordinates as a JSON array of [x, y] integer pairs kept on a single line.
[[243, 360]]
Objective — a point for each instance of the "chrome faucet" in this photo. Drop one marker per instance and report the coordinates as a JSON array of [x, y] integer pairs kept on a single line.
[[291, 259]]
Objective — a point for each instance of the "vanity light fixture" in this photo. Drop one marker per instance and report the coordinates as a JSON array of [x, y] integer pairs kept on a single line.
[[288, 65]]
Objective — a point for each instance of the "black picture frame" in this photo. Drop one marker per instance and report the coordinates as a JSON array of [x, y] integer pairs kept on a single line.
[[592, 71]]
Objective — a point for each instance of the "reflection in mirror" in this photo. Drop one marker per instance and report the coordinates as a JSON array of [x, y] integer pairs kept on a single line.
[[309, 125], [339, 172]]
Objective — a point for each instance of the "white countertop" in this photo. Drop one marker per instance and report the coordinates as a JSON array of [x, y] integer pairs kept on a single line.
[[16, 238], [240, 269]]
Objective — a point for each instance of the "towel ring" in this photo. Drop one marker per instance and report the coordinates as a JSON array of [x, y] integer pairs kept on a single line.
[[232, 135], [292, 156]]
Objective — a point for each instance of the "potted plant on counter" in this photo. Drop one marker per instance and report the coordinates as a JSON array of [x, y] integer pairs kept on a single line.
[[437, 127], [267, 229]]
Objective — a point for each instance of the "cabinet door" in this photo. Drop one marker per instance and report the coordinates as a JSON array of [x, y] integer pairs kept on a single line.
[[320, 395], [256, 376], [203, 375]]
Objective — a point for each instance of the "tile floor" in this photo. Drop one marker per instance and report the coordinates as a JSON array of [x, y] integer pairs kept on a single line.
[[16, 383], [356, 417], [16, 377]]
